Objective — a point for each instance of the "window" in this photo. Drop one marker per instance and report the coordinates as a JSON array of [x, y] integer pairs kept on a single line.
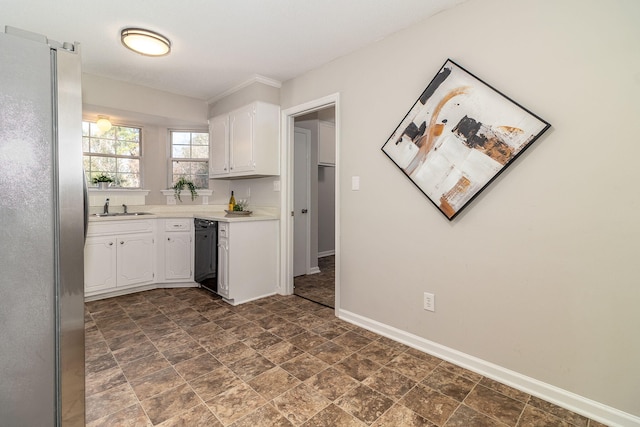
[[190, 157], [115, 153]]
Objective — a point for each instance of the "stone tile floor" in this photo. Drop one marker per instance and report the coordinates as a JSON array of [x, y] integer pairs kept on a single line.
[[183, 357], [320, 287]]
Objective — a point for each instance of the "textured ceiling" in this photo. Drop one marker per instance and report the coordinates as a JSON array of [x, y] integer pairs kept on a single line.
[[217, 44]]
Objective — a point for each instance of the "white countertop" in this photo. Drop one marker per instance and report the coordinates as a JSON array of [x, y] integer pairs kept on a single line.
[[214, 214]]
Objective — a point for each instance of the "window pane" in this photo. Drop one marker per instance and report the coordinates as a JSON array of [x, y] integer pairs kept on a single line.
[[183, 138], [200, 139], [180, 168], [102, 146], [128, 180], [128, 134], [94, 132], [200, 152], [201, 181], [128, 165], [128, 148], [200, 168], [187, 148], [115, 153], [181, 151], [103, 164]]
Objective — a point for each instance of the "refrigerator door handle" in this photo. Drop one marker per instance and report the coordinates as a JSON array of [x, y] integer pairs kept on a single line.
[[85, 197]]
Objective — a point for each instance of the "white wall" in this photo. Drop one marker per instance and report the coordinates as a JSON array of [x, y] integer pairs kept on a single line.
[[539, 274]]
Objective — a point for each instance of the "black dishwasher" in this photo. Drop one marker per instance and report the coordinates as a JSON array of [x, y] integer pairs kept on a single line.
[[206, 254]]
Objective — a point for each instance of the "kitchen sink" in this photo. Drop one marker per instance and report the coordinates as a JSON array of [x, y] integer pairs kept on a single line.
[[122, 214]]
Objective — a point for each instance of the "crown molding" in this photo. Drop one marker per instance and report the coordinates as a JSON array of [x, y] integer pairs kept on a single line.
[[257, 78]]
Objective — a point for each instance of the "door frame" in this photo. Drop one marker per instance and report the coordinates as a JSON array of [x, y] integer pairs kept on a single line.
[[286, 190]]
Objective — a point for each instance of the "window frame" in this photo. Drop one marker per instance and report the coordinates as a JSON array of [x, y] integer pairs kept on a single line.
[[171, 159], [139, 158]]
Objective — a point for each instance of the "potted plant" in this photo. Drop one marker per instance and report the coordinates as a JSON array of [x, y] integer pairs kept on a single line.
[[102, 180], [180, 184]]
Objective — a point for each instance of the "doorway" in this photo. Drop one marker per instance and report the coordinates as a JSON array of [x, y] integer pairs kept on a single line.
[[319, 226]]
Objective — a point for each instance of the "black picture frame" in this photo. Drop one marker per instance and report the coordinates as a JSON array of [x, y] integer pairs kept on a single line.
[[458, 136]]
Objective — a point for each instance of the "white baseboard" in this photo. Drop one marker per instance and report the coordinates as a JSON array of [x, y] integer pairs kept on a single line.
[[326, 253], [238, 302], [563, 398], [314, 270], [125, 291]]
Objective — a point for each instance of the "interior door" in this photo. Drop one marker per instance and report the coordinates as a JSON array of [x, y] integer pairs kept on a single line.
[[301, 201]]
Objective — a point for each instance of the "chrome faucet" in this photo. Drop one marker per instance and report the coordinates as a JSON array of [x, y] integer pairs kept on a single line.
[[106, 206], [125, 208]]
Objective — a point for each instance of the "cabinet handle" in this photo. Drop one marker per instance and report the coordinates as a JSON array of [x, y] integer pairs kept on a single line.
[[168, 239], [122, 242], [110, 243]]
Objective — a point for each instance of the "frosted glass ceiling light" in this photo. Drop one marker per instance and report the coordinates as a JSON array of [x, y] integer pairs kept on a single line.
[[145, 42], [103, 123]]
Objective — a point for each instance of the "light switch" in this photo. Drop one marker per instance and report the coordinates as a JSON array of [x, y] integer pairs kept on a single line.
[[355, 183]]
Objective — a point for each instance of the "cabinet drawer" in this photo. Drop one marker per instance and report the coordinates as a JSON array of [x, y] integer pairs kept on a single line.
[[178, 224], [100, 228]]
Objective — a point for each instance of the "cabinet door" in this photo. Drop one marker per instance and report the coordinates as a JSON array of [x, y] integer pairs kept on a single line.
[[135, 259], [177, 256], [326, 143], [241, 139], [99, 263], [219, 146]]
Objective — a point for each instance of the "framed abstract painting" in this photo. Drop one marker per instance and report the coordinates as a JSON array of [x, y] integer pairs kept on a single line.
[[459, 136]]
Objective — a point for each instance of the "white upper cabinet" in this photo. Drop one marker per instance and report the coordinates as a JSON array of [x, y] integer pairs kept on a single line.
[[245, 142], [326, 143], [219, 145]]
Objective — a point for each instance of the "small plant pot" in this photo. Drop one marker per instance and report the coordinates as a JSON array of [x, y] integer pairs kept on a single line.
[[103, 185]]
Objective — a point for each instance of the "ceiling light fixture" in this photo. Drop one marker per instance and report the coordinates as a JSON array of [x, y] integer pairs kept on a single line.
[[103, 123], [145, 42]]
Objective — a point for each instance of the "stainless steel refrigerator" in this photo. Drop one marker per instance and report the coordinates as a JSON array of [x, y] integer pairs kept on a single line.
[[41, 232]]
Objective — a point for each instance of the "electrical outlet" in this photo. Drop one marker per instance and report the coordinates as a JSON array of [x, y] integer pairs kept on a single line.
[[429, 301]]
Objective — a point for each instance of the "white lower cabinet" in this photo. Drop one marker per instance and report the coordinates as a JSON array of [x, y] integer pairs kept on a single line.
[[135, 259], [99, 264], [118, 255], [177, 256], [123, 256], [247, 260]]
